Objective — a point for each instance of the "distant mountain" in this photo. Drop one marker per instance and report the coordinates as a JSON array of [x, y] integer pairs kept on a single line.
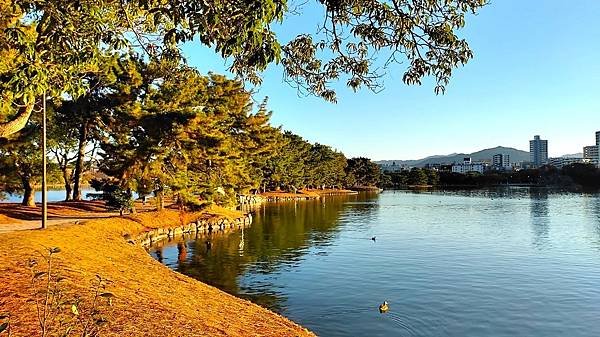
[[483, 155]]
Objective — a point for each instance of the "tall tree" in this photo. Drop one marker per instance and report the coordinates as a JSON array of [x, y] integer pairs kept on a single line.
[[117, 82], [21, 163], [364, 171], [62, 145]]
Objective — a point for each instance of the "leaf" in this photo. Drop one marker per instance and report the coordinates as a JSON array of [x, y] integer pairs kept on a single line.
[[3, 326], [74, 310], [107, 295], [4, 316]]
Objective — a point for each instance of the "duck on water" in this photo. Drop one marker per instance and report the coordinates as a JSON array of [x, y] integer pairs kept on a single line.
[[384, 307]]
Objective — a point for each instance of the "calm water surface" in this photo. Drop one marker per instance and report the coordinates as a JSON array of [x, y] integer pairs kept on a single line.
[[515, 262]]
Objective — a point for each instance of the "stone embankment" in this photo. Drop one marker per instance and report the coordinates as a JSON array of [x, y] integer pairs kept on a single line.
[[250, 199], [200, 226]]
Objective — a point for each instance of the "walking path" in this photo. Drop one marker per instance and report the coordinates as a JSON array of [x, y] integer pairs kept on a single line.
[[16, 217]]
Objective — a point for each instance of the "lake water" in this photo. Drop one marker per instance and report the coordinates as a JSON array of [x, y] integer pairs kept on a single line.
[[511, 262], [53, 195]]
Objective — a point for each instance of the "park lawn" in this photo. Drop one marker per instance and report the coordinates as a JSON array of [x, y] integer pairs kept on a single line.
[[149, 298]]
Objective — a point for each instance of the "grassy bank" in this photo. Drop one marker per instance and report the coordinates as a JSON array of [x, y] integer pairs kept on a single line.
[[149, 299], [304, 194]]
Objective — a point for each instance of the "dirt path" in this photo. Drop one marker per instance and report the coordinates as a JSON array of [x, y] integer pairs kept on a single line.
[[15, 217]]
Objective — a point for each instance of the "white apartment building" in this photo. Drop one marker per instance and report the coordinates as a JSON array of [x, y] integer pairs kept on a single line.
[[468, 166], [561, 162], [591, 153]]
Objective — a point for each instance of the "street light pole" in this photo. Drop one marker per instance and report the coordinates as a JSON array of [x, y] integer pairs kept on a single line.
[[44, 164]]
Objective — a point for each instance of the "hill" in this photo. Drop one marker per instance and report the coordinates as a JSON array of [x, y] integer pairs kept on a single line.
[[483, 155]]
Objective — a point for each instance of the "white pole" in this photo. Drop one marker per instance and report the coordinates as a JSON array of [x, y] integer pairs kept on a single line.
[[44, 163]]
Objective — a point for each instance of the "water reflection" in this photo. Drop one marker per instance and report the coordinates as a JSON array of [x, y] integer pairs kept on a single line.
[[594, 207], [540, 222], [280, 235], [451, 263]]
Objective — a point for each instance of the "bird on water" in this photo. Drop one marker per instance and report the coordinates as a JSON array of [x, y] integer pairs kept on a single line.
[[384, 307], [374, 238]]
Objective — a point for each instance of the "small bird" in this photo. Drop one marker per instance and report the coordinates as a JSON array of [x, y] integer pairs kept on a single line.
[[374, 238], [384, 307]]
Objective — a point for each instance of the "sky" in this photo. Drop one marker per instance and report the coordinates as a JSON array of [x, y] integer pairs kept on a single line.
[[536, 70]]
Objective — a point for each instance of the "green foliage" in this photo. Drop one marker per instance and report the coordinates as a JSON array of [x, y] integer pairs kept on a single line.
[[363, 172], [116, 197], [20, 163], [49, 47], [417, 176]]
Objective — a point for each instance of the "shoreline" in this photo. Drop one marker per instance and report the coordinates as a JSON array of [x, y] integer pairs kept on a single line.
[[307, 194], [150, 299]]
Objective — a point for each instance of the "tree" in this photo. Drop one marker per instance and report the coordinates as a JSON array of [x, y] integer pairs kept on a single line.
[[62, 39], [118, 81], [20, 163], [288, 168], [417, 176], [433, 178], [586, 175], [62, 145], [45, 47], [364, 171], [194, 136], [325, 167]]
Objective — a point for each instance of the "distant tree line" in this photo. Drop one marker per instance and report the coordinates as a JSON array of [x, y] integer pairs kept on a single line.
[[414, 177], [578, 175]]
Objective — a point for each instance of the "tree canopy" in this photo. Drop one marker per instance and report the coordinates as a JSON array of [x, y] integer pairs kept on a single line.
[[48, 47]]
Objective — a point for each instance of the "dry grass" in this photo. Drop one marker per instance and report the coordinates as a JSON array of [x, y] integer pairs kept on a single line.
[[151, 300]]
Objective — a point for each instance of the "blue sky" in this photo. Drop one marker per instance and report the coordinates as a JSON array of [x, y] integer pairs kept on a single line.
[[536, 71]]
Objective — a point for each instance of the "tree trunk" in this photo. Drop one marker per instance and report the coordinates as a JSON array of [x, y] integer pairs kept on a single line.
[[28, 193], [68, 189], [79, 163], [160, 201], [17, 123], [132, 209]]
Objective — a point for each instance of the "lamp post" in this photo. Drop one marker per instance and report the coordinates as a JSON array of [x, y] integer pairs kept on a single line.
[[44, 164]]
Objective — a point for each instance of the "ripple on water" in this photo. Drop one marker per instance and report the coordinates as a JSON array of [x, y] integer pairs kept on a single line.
[[458, 264]]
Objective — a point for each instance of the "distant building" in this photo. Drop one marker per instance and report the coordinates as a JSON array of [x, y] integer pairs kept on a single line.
[[434, 166], [501, 162], [393, 167], [538, 151], [591, 153], [598, 148], [561, 162], [468, 166]]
